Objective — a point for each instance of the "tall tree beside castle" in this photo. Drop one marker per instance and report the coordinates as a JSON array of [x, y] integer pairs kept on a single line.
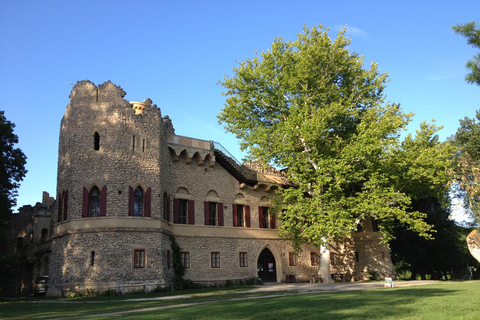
[[309, 105], [12, 171], [467, 139]]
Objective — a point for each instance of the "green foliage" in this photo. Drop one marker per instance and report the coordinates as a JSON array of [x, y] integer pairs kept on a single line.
[[178, 267], [472, 32], [467, 162], [12, 171], [372, 274], [309, 105]]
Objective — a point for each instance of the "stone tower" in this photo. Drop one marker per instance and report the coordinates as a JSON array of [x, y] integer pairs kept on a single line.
[[112, 161]]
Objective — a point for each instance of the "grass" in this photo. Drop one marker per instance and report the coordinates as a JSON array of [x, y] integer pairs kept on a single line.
[[445, 300]]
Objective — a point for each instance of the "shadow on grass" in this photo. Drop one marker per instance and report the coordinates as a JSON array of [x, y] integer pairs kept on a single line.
[[388, 303]]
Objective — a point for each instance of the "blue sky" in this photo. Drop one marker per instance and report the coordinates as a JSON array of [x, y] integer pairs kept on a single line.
[[174, 52]]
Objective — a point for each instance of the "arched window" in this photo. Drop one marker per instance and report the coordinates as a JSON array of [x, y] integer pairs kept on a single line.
[[138, 203], [44, 235], [94, 202], [96, 141]]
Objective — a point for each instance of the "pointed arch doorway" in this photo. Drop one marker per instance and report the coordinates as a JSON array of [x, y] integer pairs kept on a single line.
[[266, 266]]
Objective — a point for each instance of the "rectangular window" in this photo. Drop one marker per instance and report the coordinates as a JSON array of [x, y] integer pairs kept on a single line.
[[139, 258], [215, 259], [168, 259], [265, 221], [333, 259], [292, 259], [356, 257], [182, 211], [243, 259], [314, 259], [133, 143], [186, 259], [92, 258], [143, 145], [212, 213], [240, 216]]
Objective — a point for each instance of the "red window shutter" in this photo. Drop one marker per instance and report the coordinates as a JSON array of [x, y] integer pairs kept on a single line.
[[103, 201], [260, 217], [65, 205], [175, 211], [168, 208], [131, 201], [191, 212], [234, 209], [148, 203], [206, 213], [272, 221], [220, 214], [85, 203], [247, 216], [60, 207]]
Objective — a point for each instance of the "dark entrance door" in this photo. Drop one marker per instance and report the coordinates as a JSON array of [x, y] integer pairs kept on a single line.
[[266, 266]]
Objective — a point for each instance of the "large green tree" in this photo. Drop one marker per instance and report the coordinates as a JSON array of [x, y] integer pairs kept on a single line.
[[472, 32], [311, 106], [12, 171]]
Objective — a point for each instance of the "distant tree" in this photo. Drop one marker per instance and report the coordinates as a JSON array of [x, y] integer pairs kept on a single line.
[[12, 171], [472, 32], [310, 106]]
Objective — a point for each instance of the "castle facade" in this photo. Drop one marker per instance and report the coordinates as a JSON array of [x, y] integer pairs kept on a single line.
[[127, 183]]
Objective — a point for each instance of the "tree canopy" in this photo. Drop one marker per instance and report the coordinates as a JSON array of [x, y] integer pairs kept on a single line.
[[311, 106], [471, 31], [467, 160]]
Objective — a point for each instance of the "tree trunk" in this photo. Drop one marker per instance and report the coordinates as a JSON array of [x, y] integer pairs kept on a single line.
[[324, 264], [473, 242]]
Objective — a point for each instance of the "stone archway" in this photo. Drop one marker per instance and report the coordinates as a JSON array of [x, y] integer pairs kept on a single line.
[[266, 266]]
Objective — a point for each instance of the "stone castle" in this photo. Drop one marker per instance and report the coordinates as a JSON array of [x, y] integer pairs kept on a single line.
[[127, 183]]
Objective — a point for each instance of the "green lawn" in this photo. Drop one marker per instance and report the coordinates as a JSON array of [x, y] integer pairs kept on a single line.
[[446, 300]]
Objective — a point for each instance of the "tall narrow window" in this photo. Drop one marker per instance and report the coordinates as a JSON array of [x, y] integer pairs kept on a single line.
[[96, 141], [243, 259], [168, 259], [92, 258], [333, 258], [212, 213], [182, 211], [314, 259], [143, 145], [186, 259], [265, 221], [133, 143], [292, 259], [240, 216], [215, 259], [139, 258], [138, 204], [94, 201]]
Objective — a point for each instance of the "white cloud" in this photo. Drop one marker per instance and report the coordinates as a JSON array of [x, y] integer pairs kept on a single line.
[[353, 32]]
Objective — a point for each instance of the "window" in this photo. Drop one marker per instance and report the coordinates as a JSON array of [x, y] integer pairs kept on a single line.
[[168, 259], [357, 257], [143, 145], [186, 259], [182, 211], [374, 225], [212, 213], [139, 258], [243, 259], [240, 220], [333, 259], [215, 259], [96, 141], [314, 259], [263, 217], [134, 140], [94, 202], [92, 258], [138, 202], [292, 259], [44, 235], [62, 206]]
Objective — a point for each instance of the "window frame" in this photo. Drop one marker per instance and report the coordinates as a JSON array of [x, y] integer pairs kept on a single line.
[[94, 202], [292, 259], [215, 260], [333, 259], [314, 257], [243, 259], [240, 214], [185, 256], [213, 205], [138, 199], [182, 204], [139, 258]]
